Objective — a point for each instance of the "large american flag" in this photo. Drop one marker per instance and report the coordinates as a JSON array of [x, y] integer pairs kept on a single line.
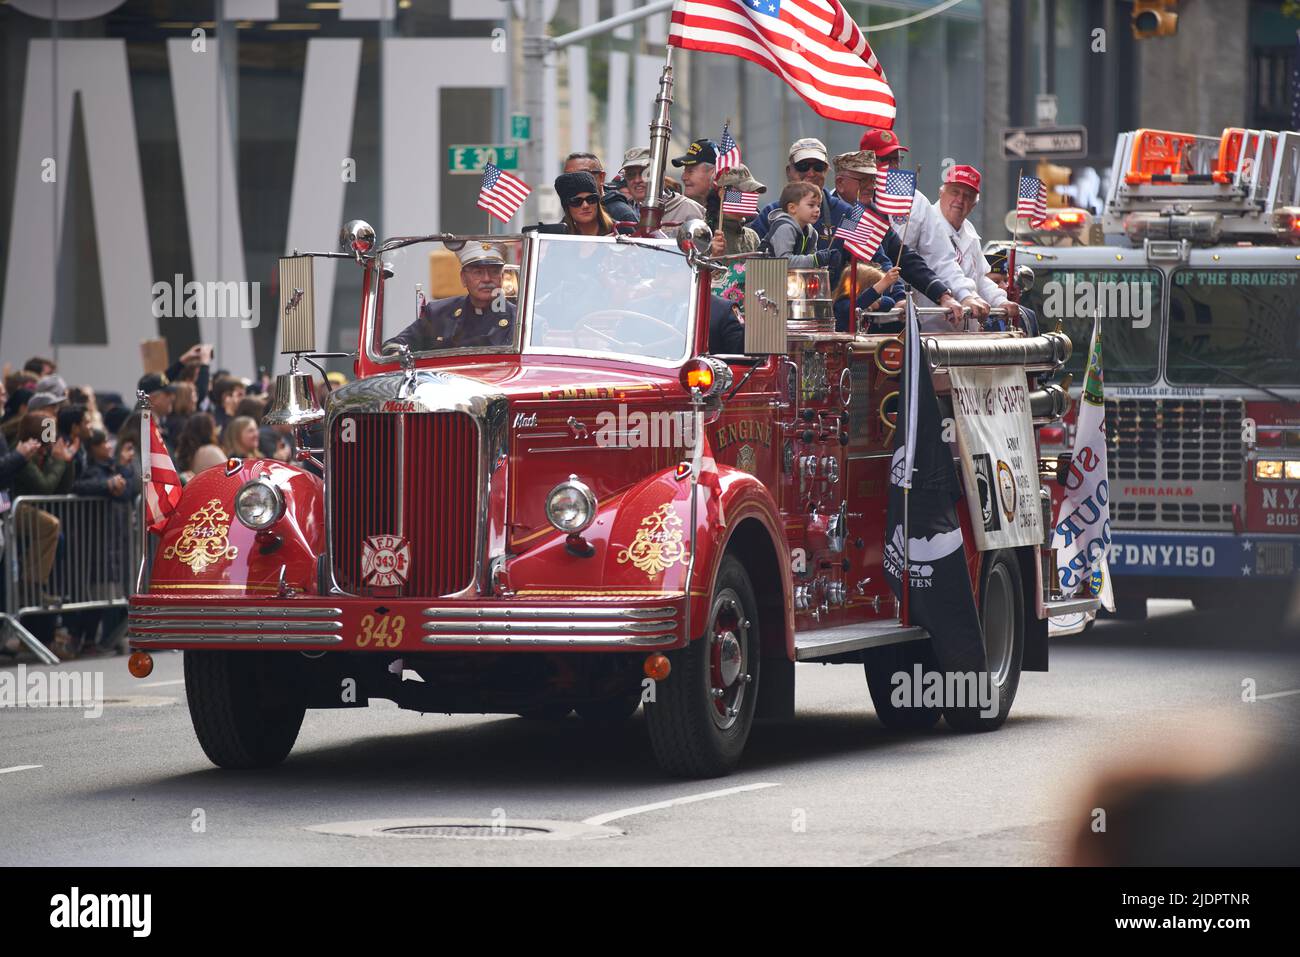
[[738, 203], [813, 45], [865, 230], [728, 151], [1031, 199], [161, 485], [501, 194], [896, 198]]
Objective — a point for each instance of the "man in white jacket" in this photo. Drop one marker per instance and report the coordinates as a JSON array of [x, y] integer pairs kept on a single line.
[[924, 231], [957, 198]]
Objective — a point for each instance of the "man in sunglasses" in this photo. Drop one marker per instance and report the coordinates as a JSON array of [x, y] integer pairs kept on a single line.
[[808, 163], [482, 317]]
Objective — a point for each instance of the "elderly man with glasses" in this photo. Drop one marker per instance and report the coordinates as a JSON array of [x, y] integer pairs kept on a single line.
[[958, 196]]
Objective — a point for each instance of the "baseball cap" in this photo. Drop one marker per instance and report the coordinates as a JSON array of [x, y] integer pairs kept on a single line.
[[43, 400], [153, 382], [881, 142], [739, 177], [963, 175], [809, 148], [701, 151], [636, 156], [480, 252]]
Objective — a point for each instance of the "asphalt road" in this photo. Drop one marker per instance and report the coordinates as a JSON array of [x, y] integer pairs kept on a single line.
[[132, 787]]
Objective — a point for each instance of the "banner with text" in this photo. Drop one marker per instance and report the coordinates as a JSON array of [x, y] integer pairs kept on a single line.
[[995, 434]]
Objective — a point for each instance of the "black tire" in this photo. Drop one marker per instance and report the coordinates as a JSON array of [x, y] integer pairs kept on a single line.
[[881, 664], [693, 733], [546, 712], [609, 710], [243, 717], [1002, 617]]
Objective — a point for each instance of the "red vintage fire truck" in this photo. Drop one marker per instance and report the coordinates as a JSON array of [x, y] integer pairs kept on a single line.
[[1194, 269], [597, 514]]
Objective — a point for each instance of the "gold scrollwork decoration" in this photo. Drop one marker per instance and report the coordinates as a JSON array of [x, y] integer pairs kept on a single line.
[[658, 543], [204, 540]]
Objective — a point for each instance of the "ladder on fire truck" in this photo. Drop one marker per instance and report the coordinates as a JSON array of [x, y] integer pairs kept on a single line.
[[1241, 186]]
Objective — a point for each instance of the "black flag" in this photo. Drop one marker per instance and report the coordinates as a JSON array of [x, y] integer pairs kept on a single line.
[[940, 599]]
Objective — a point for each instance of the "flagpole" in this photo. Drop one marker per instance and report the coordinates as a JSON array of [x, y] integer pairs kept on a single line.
[[146, 476], [1012, 292], [905, 618]]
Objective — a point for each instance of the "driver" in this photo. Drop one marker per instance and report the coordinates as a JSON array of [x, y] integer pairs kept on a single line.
[[482, 317]]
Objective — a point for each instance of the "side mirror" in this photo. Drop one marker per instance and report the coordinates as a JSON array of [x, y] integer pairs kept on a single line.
[[694, 236], [356, 238], [1024, 278], [297, 305]]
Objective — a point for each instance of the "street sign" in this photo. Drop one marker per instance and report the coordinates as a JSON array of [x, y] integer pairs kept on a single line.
[[470, 160], [521, 127], [1045, 142], [1045, 109]]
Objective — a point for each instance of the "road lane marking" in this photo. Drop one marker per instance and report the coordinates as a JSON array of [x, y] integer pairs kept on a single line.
[[1276, 694], [162, 684], [660, 805], [20, 767]]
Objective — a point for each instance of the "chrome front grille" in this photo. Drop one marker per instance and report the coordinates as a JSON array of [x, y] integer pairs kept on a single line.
[[1175, 462], [412, 476]]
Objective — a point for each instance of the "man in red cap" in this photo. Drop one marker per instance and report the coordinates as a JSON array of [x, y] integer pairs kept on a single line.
[[958, 196], [924, 230]]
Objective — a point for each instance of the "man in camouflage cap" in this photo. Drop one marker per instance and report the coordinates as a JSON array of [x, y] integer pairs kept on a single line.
[[482, 317]]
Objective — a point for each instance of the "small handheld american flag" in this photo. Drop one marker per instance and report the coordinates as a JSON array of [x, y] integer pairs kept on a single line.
[[864, 233], [1031, 200], [737, 203], [728, 151], [501, 194], [896, 198]]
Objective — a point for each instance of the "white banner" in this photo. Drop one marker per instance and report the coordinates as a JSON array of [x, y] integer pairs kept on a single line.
[[999, 458]]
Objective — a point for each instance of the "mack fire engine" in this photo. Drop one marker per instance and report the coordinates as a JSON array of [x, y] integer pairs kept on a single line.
[[597, 515], [1196, 283]]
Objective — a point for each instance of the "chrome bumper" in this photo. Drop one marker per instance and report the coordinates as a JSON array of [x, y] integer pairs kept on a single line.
[[631, 627], [234, 624]]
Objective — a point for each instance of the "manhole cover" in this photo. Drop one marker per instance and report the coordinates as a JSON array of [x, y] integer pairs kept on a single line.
[[465, 830], [469, 829]]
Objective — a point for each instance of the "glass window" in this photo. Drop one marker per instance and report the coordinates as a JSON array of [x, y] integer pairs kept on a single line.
[[1129, 302], [1234, 326], [600, 296], [438, 299]]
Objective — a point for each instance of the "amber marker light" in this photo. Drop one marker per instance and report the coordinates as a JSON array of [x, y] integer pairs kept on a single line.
[[697, 374], [657, 667], [140, 664]]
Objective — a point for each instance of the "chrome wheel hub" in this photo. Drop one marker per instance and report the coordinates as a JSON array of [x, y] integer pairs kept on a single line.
[[728, 652]]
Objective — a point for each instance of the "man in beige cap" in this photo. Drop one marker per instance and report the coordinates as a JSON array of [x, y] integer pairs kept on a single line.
[[676, 207], [852, 170], [482, 317], [808, 163]]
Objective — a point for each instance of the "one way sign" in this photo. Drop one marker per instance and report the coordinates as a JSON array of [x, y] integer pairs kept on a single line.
[[1045, 142]]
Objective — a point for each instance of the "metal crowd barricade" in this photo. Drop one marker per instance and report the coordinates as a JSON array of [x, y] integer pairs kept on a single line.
[[67, 553]]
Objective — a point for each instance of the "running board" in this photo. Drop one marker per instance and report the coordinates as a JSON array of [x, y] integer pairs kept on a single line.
[[825, 642]]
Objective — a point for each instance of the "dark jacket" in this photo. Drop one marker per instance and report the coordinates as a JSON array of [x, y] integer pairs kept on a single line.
[[455, 323], [11, 463], [726, 331], [619, 207], [94, 480], [53, 478], [867, 299], [787, 238]]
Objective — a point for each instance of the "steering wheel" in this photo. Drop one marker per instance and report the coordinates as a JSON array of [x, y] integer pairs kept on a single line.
[[614, 315]]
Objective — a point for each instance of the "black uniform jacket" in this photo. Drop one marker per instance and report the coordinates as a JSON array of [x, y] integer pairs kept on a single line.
[[456, 324]]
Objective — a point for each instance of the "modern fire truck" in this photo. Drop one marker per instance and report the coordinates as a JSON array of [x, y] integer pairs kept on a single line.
[[1195, 272], [598, 514]]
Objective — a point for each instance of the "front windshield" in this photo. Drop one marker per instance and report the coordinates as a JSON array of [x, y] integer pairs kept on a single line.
[[1231, 326], [1129, 303], [599, 296], [458, 296]]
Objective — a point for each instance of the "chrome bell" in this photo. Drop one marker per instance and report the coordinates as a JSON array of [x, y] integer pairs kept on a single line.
[[293, 402]]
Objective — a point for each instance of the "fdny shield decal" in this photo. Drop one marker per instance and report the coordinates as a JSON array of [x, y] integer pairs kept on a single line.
[[385, 561]]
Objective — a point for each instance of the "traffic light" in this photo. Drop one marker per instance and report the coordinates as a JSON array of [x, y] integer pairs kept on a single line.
[[1153, 18], [1052, 177]]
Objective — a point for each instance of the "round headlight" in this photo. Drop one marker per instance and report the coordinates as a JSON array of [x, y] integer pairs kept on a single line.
[[259, 504], [571, 506]]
